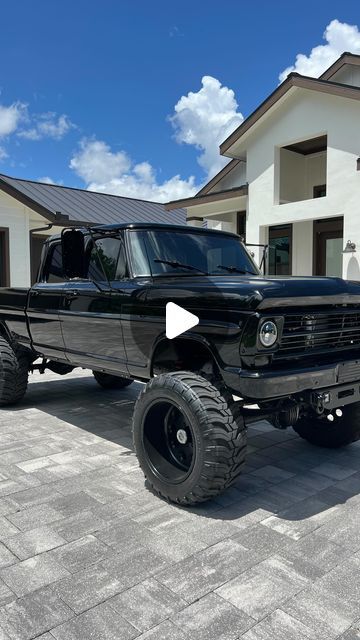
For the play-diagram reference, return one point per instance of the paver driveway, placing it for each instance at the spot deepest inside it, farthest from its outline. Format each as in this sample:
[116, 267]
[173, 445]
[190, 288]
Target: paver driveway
[88, 553]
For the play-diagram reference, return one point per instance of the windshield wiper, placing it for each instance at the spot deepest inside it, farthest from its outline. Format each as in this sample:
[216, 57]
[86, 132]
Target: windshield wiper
[176, 264]
[234, 269]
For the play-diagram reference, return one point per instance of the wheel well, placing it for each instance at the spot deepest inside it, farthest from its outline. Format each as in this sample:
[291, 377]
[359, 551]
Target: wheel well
[4, 331]
[183, 355]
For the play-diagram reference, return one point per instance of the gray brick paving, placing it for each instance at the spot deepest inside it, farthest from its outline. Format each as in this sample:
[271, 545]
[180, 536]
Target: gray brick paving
[86, 551]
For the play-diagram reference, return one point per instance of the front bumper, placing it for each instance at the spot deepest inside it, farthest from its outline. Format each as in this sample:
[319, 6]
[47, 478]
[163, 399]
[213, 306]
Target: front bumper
[264, 385]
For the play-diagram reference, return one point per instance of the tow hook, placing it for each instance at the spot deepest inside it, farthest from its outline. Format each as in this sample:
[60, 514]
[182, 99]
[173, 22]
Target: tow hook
[318, 401]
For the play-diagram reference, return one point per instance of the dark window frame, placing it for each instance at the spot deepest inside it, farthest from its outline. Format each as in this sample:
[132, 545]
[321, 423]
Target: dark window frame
[241, 224]
[5, 266]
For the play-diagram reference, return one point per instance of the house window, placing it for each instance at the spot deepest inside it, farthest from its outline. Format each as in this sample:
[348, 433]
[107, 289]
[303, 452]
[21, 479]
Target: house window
[302, 170]
[319, 191]
[280, 250]
[4, 258]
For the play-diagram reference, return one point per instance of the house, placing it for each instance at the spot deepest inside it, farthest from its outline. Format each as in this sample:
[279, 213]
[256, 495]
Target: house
[293, 181]
[31, 211]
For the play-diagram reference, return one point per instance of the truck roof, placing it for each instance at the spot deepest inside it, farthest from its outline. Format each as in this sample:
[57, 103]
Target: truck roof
[146, 225]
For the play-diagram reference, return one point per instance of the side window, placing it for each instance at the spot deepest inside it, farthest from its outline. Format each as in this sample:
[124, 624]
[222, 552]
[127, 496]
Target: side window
[107, 260]
[53, 271]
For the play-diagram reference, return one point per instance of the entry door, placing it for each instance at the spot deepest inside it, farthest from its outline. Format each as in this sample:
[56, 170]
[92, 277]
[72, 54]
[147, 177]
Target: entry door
[280, 250]
[328, 240]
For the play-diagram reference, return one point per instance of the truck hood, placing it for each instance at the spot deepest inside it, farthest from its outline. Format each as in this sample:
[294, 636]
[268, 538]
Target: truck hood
[253, 292]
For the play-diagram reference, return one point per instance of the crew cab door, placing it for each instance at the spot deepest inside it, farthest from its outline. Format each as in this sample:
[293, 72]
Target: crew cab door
[90, 310]
[43, 305]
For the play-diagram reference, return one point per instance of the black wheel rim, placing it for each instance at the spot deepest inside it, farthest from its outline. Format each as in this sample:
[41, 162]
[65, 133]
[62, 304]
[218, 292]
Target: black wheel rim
[168, 441]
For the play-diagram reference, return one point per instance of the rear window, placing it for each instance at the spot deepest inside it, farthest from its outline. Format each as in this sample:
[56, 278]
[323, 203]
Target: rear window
[53, 271]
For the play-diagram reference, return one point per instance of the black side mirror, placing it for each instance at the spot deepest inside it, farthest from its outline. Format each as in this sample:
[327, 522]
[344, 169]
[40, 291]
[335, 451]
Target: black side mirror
[73, 253]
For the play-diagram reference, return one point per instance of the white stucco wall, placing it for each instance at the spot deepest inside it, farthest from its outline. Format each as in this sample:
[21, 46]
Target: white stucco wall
[307, 114]
[223, 221]
[15, 217]
[19, 220]
[299, 174]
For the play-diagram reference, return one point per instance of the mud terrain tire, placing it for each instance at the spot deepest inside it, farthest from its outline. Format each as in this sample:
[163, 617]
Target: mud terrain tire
[188, 443]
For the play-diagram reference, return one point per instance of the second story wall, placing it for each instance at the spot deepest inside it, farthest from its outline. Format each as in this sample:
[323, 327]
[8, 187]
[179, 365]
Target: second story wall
[306, 114]
[235, 178]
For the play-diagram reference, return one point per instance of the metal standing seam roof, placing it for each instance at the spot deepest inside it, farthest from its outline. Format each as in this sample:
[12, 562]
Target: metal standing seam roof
[89, 206]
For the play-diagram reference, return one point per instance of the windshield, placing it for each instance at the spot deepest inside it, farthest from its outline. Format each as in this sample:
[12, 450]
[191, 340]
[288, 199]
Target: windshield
[165, 252]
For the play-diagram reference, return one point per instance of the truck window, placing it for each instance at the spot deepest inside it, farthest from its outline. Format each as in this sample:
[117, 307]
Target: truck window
[163, 252]
[107, 260]
[53, 270]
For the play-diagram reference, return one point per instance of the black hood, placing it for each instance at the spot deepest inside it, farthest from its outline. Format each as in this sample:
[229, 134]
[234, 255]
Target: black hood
[253, 292]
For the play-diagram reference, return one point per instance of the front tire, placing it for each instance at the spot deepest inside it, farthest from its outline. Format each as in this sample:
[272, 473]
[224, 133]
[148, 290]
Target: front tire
[14, 373]
[108, 381]
[188, 443]
[339, 433]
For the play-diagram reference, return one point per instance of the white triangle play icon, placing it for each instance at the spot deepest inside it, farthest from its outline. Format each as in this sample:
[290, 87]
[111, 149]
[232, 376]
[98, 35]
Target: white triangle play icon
[178, 320]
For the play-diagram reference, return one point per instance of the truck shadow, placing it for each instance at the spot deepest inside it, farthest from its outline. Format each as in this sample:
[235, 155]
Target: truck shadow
[283, 474]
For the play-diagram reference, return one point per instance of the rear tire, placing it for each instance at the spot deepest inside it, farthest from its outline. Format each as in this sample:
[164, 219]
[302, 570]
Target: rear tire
[14, 373]
[187, 441]
[339, 433]
[108, 381]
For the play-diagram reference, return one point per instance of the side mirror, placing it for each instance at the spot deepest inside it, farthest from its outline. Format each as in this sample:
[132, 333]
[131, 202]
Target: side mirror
[73, 253]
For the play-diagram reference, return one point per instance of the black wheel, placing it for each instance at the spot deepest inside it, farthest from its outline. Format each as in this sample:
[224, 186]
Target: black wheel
[188, 443]
[111, 382]
[323, 433]
[14, 373]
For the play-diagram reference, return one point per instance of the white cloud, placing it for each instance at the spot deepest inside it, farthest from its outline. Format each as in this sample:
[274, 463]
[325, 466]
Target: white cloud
[113, 172]
[48, 180]
[10, 117]
[47, 125]
[339, 37]
[204, 119]
[95, 162]
[3, 154]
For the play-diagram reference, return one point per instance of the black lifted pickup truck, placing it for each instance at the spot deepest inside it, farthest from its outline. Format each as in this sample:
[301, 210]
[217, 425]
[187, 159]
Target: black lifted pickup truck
[285, 349]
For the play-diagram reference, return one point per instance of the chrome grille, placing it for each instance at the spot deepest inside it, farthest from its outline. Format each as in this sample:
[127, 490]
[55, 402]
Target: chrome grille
[317, 331]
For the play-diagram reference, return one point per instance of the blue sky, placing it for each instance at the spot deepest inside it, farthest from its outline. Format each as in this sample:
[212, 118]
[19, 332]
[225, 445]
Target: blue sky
[88, 89]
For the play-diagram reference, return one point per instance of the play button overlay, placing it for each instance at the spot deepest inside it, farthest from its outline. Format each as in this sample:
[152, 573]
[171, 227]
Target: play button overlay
[178, 320]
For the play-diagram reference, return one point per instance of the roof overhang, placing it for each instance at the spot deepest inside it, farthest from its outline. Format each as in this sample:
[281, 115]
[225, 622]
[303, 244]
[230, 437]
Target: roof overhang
[209, 197]
[346, 58]
[293, 82]
[219, 176]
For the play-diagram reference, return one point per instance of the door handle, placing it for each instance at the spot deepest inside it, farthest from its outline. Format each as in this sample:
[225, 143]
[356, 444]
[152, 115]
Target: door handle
[70, 295]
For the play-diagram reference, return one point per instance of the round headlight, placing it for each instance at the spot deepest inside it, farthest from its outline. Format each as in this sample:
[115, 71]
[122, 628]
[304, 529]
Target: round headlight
[268, 333]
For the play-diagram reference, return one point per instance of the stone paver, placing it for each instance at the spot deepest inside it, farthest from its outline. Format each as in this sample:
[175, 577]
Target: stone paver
[86, 551]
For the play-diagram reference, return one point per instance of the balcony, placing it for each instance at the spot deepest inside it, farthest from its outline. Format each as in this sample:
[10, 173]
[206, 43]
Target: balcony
[302, 170]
